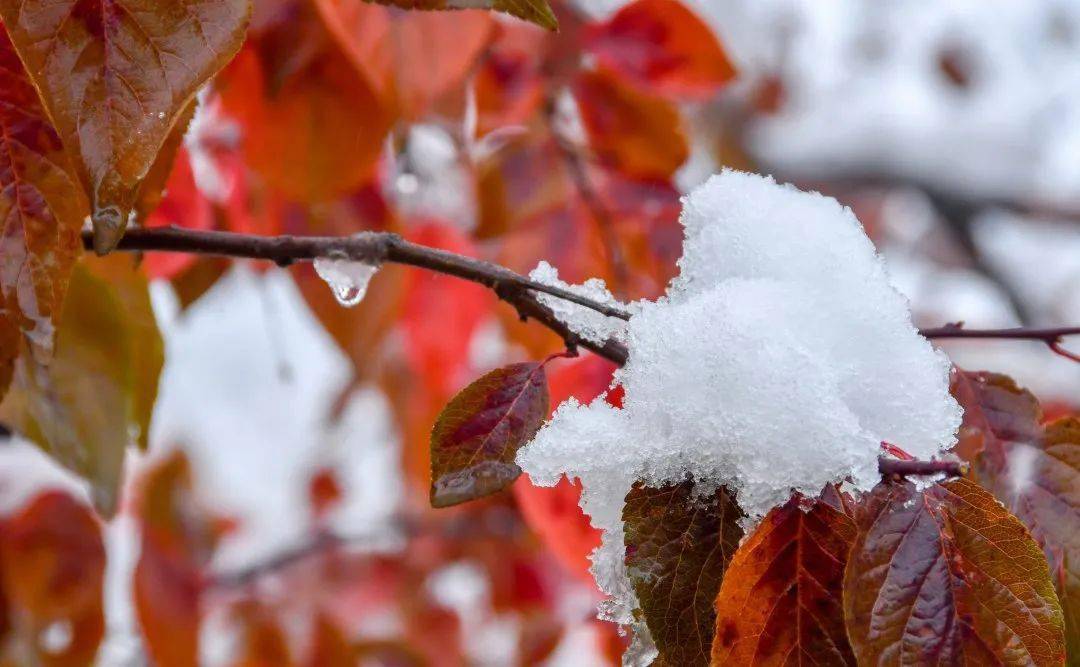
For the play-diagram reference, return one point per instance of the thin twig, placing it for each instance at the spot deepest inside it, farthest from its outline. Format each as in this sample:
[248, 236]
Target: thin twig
[900, 467]
[377, 248]
[514, 288]
[1051, 337]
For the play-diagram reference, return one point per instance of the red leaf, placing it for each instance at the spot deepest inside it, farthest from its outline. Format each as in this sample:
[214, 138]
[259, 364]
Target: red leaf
[677, 549]
[313, 126]
[116, 78]
[477, 436]
[630, 131]
[1034, 470]
[662, 46]
[53, 572]
[441, 314]
[181, 206]
[781, 599]
[411, 58]
[508, 85]
[42, 209]
[168, 581]
[948, 576]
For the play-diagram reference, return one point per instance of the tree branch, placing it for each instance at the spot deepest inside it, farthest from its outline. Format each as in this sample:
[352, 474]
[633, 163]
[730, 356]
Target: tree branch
[900, 467]
[378, 248]
[1052, 337]
[511, 287]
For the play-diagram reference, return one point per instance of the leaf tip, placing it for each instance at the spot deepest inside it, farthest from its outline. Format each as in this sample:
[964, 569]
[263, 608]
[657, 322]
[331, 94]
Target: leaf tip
[109, 224]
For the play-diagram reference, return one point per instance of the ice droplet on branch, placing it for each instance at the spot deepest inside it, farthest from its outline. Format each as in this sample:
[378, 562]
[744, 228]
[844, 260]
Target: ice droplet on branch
[348, 278]
[779, 359]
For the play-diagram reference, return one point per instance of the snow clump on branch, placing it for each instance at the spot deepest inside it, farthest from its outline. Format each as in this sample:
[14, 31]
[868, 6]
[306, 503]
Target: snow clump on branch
[779, 360]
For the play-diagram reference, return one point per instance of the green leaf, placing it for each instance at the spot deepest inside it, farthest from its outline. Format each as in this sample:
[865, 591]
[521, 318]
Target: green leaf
[948, 576]
[677, 548]
[96, 396]
[477, 436]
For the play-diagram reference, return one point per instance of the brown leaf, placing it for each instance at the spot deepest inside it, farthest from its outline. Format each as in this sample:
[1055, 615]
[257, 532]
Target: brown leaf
[115, 77]
[100, 388]
[630, 131]
[678, 546]
[781, 600]
[479, 432]
[53, 572]
[1034, 470]
[42, 209]
[533, 11]
[948, 576]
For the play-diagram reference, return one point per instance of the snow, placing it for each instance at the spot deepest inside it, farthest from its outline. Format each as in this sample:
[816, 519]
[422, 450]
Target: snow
[585, 322]
[779, 360]
[348, 279]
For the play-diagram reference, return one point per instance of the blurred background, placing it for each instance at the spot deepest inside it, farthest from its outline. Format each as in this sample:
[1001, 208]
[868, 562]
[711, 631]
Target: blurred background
[952, 128]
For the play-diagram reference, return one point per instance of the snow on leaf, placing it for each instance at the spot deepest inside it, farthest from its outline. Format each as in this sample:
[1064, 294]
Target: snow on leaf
[1034, 470]
[678, 546]
[477, 436]
[948, 576]
[780, 358]
[782, 592]
[115, 76]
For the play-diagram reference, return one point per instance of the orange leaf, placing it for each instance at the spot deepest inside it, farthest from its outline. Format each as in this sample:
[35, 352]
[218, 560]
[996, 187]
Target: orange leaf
[508, 84]
[663, 47]
[42, 210]
[631, 131]
[534, 11]
[313, 127]
[948, 576]
[781, 598]
[168, 581]
[411, 58]
[115, 77]
[53, 571]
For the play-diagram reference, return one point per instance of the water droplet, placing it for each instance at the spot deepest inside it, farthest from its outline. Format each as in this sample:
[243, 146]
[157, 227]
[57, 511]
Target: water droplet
[348, 279]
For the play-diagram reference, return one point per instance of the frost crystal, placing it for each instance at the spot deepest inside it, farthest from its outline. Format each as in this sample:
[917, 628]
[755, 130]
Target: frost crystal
[585, 322]
[348, 279]
[779, 360]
